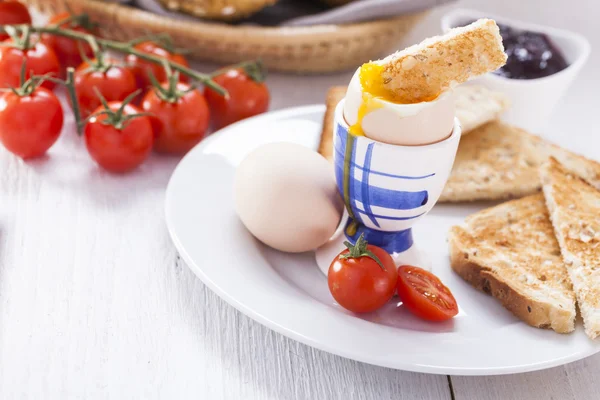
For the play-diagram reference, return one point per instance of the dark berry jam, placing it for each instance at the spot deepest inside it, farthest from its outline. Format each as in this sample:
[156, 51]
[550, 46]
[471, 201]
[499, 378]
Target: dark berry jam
[531, 55]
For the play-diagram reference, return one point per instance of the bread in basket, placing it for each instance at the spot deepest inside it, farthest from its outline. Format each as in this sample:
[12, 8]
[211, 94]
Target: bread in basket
[299, 49]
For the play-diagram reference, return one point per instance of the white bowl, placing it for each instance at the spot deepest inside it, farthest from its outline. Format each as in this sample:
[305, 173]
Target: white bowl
[532, 100]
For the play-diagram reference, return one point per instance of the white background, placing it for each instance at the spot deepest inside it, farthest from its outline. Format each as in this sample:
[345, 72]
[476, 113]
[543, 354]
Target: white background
[95, 302]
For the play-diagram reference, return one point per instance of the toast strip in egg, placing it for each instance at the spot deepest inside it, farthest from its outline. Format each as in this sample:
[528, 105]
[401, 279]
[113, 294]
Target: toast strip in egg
[423, 71]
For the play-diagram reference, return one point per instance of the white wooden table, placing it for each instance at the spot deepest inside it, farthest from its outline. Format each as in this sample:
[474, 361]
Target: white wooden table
[95, 302]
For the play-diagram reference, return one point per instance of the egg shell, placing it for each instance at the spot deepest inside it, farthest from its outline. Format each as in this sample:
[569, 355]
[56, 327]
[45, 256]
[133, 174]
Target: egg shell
[401, 124]
[286, 196]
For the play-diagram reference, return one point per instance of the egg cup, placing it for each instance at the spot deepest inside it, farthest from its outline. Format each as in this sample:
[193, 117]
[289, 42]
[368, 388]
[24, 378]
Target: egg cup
[386, 189]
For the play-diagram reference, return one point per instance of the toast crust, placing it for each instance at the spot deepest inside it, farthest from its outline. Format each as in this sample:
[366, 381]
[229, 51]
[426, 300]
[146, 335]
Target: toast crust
[574, 207]
[424, 71]
[535, 313]
[510, 252]
[335, 94]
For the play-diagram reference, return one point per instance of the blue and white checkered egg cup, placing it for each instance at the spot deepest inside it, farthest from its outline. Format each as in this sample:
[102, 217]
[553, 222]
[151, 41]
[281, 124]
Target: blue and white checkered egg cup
[386, 189]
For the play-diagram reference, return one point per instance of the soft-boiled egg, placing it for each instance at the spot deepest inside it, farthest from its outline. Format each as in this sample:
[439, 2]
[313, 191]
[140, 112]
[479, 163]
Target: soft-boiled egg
[372, 112]
[286, 196]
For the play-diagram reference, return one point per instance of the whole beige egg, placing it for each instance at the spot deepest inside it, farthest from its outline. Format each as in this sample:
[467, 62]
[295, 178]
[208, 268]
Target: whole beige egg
[286, 196]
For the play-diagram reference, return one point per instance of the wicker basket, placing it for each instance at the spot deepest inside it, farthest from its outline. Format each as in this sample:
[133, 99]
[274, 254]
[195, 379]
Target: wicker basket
[323, 48]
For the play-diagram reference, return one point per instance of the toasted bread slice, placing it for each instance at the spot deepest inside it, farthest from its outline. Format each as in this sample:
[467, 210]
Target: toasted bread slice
[510, 252]
[498, 161]
[574, 207]
[334, 95]
[423, 71]
[477, 105]
[225, 10]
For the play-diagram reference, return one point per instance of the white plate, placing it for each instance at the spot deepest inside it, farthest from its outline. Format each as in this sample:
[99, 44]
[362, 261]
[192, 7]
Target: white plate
[289, 294]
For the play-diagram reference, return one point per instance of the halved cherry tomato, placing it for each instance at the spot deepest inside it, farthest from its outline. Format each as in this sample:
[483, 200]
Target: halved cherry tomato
[362, 278]
[39, 60]
[30, 124]
[423, 294]
[142, 68]
[119, 149]
[246, 98]
[115, 84]
[13, 13]
[67, 50]
[178, 125]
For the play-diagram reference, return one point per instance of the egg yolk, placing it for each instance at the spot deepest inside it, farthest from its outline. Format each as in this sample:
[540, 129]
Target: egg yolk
[371, 81]
[374, 91]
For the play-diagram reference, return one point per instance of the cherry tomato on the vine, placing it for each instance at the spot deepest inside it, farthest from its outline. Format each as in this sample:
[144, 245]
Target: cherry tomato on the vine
[423, 294]
[39, 60]
[67, 50]
[13, 13]
[178, 124]
[119, 147]
[114, 84]
[246, 98]
[362, 278]
[142, 68]
[30, 124]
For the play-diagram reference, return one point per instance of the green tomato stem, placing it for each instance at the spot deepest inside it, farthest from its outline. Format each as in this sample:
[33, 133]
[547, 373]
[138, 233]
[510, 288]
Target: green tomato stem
[125, 48]
[70, 85]
[360, 249]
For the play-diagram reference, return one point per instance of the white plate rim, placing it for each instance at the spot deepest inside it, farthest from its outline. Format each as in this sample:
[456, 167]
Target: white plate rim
[313, 342]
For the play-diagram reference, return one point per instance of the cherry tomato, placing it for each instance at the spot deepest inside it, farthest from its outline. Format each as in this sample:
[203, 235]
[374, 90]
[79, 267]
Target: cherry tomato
[39, 60]
[358, 282]
[30, 124]
[178, 126]
[142, 68]
[67, 50]
[119, 149]
[423, 294]
[115, 85]
[246, 98]
[13, 13]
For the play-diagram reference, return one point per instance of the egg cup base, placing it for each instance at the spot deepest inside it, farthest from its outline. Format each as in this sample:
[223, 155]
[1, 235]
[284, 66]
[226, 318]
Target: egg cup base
[325, 254]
